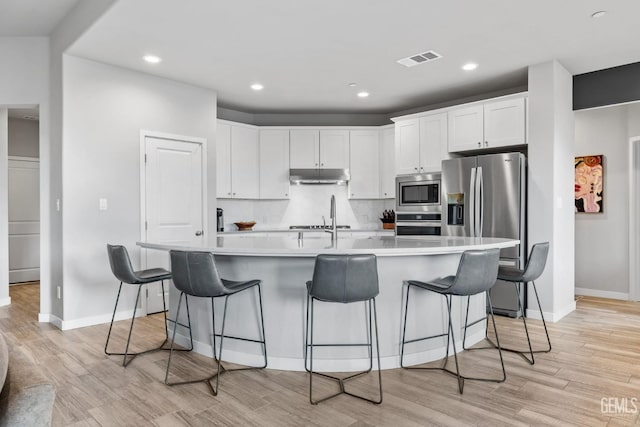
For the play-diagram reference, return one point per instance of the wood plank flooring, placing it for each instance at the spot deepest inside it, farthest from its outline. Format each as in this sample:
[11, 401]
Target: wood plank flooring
[596, 355]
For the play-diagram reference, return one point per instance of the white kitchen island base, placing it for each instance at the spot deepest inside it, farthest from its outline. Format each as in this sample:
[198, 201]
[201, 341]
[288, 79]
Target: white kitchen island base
[285, 265]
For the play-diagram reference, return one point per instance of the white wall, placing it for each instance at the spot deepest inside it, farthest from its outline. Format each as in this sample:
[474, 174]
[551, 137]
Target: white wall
[24, 81]
[602, 240]
[306, 205]
[4, 210]
[24, 136]
[105, 107]
[550, 202]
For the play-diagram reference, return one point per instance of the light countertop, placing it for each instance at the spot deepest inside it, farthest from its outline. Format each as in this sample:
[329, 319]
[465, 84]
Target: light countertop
[310, 246]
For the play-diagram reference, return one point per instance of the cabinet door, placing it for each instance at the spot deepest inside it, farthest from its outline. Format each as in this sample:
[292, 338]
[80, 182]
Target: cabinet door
[245, 163]
[334, 149]
[387, 164]
[223, 161]
[364, 164]
[407, 146]
[274, 164]
[433, 140]
[304, 149]
[504, 123]
[466, 128]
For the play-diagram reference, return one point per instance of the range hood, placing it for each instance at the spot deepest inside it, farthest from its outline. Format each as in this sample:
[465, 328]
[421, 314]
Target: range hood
[319, 176]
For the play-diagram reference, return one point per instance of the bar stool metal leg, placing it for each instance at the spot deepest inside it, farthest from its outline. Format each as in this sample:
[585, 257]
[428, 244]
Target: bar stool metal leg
[341, 381]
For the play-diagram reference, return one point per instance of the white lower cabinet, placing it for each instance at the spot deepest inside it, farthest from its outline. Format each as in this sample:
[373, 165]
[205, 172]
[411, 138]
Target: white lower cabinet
[364, 165]
[274, 164]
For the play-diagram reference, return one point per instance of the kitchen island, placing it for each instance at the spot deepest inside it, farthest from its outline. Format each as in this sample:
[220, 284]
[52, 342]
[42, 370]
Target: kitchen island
[285, 264]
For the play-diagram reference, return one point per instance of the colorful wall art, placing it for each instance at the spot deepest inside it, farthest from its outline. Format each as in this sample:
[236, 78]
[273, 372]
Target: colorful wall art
[588, 185]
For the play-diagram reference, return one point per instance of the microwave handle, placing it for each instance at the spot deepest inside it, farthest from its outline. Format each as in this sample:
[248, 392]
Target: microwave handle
[472, 204]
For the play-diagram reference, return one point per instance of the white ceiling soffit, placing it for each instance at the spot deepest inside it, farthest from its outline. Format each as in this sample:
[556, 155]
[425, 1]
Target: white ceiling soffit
[305, 53]
[24, 113]
[32, 18]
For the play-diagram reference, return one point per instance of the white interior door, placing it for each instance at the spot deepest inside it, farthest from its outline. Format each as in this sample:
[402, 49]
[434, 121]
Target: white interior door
[173, 178]
[24, 219]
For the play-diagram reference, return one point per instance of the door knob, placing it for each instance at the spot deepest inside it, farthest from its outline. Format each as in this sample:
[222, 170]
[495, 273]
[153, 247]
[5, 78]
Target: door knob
[199, 233]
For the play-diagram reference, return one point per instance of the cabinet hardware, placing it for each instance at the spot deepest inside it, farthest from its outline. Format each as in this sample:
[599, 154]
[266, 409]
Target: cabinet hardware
[234, 194]
[199, 233]
[479, 144]
[486, 143]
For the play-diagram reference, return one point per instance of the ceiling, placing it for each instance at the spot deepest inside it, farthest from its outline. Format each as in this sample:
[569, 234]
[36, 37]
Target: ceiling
[305, 53]
[32, 18]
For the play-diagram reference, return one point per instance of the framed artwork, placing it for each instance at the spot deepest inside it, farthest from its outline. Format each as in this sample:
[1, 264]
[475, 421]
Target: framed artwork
[589, 172]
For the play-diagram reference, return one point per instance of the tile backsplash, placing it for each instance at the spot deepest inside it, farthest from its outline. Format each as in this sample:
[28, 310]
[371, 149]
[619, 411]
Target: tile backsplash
[306, 205]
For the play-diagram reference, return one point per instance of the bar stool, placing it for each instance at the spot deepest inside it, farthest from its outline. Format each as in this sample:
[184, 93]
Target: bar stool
[195, 274]
[121, 267]
[477, 272]
[343, 279]
[533, 269]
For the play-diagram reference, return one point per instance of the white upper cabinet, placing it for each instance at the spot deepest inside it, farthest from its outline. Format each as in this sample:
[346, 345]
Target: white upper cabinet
[466, 128]
[223, 161]
[237, 162]
[420, 144]
[491, 124]
[304, 149]
[334, 149]
[324, 149]
[274, 164]
[407, 146]
[245, 163]
[433, 142]
[364, 164]
[387, 164]
[504, 123]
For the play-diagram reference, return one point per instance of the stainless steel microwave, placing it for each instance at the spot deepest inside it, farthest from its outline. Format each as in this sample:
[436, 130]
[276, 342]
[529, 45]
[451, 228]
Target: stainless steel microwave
[418, 193]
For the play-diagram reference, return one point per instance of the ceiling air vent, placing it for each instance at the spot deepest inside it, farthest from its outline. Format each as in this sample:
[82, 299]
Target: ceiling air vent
[419, 58]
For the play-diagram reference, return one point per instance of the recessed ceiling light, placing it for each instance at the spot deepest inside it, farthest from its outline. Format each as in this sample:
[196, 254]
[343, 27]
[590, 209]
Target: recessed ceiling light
[152, 59]
[363, 94]
[257, 86]
[599, 14]
[470, 66]
[352, 85]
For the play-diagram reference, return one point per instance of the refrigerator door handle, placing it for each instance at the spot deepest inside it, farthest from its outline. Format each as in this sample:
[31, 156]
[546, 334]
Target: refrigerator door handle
[479, 201]
[472, 204]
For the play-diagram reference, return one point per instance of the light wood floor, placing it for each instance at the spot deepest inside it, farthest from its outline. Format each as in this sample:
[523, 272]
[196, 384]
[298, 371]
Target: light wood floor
[596, 355]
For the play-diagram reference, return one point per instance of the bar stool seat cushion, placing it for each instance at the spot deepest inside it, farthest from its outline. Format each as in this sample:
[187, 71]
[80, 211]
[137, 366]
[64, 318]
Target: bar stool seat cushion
[440, 285]
[152, 275]
[237, 286]
[510, 274]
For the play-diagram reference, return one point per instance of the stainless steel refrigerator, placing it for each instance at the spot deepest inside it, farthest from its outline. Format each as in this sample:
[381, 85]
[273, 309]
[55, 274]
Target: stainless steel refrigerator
[485, 196]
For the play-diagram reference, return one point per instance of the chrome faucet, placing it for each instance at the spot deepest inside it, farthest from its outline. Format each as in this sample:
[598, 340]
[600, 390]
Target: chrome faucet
[332, 214]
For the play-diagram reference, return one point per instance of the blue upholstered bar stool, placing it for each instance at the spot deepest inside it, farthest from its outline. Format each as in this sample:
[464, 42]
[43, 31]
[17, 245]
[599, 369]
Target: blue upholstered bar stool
[477, 273]
[343, 279]
[121, 267]
[195, 274]
[534, 269]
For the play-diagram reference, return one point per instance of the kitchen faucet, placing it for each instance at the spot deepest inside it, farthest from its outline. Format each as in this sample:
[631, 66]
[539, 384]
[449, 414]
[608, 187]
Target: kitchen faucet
[332, 214]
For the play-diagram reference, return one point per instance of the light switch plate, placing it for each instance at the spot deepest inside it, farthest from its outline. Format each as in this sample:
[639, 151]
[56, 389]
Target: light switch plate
[103, 204]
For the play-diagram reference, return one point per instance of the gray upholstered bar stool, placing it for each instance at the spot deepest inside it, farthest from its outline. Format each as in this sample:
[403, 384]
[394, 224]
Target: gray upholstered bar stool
[534, 269]
[477, 272]
[195, 274]
[121, 267]
[343, 279]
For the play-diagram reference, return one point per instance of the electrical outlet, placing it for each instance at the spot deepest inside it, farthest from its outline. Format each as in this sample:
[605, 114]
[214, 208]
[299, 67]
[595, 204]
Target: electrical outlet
[103, 204]
[59, 289]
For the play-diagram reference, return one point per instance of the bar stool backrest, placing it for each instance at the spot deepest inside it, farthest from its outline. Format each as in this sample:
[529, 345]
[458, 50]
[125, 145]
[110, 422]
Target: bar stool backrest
[477, 272]
[121, 264]
[345, 278]
[536, 262]
[195, 273]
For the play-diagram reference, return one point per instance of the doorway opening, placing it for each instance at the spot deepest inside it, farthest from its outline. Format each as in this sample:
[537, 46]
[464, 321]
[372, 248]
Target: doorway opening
[23, 238]
[634, 214]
